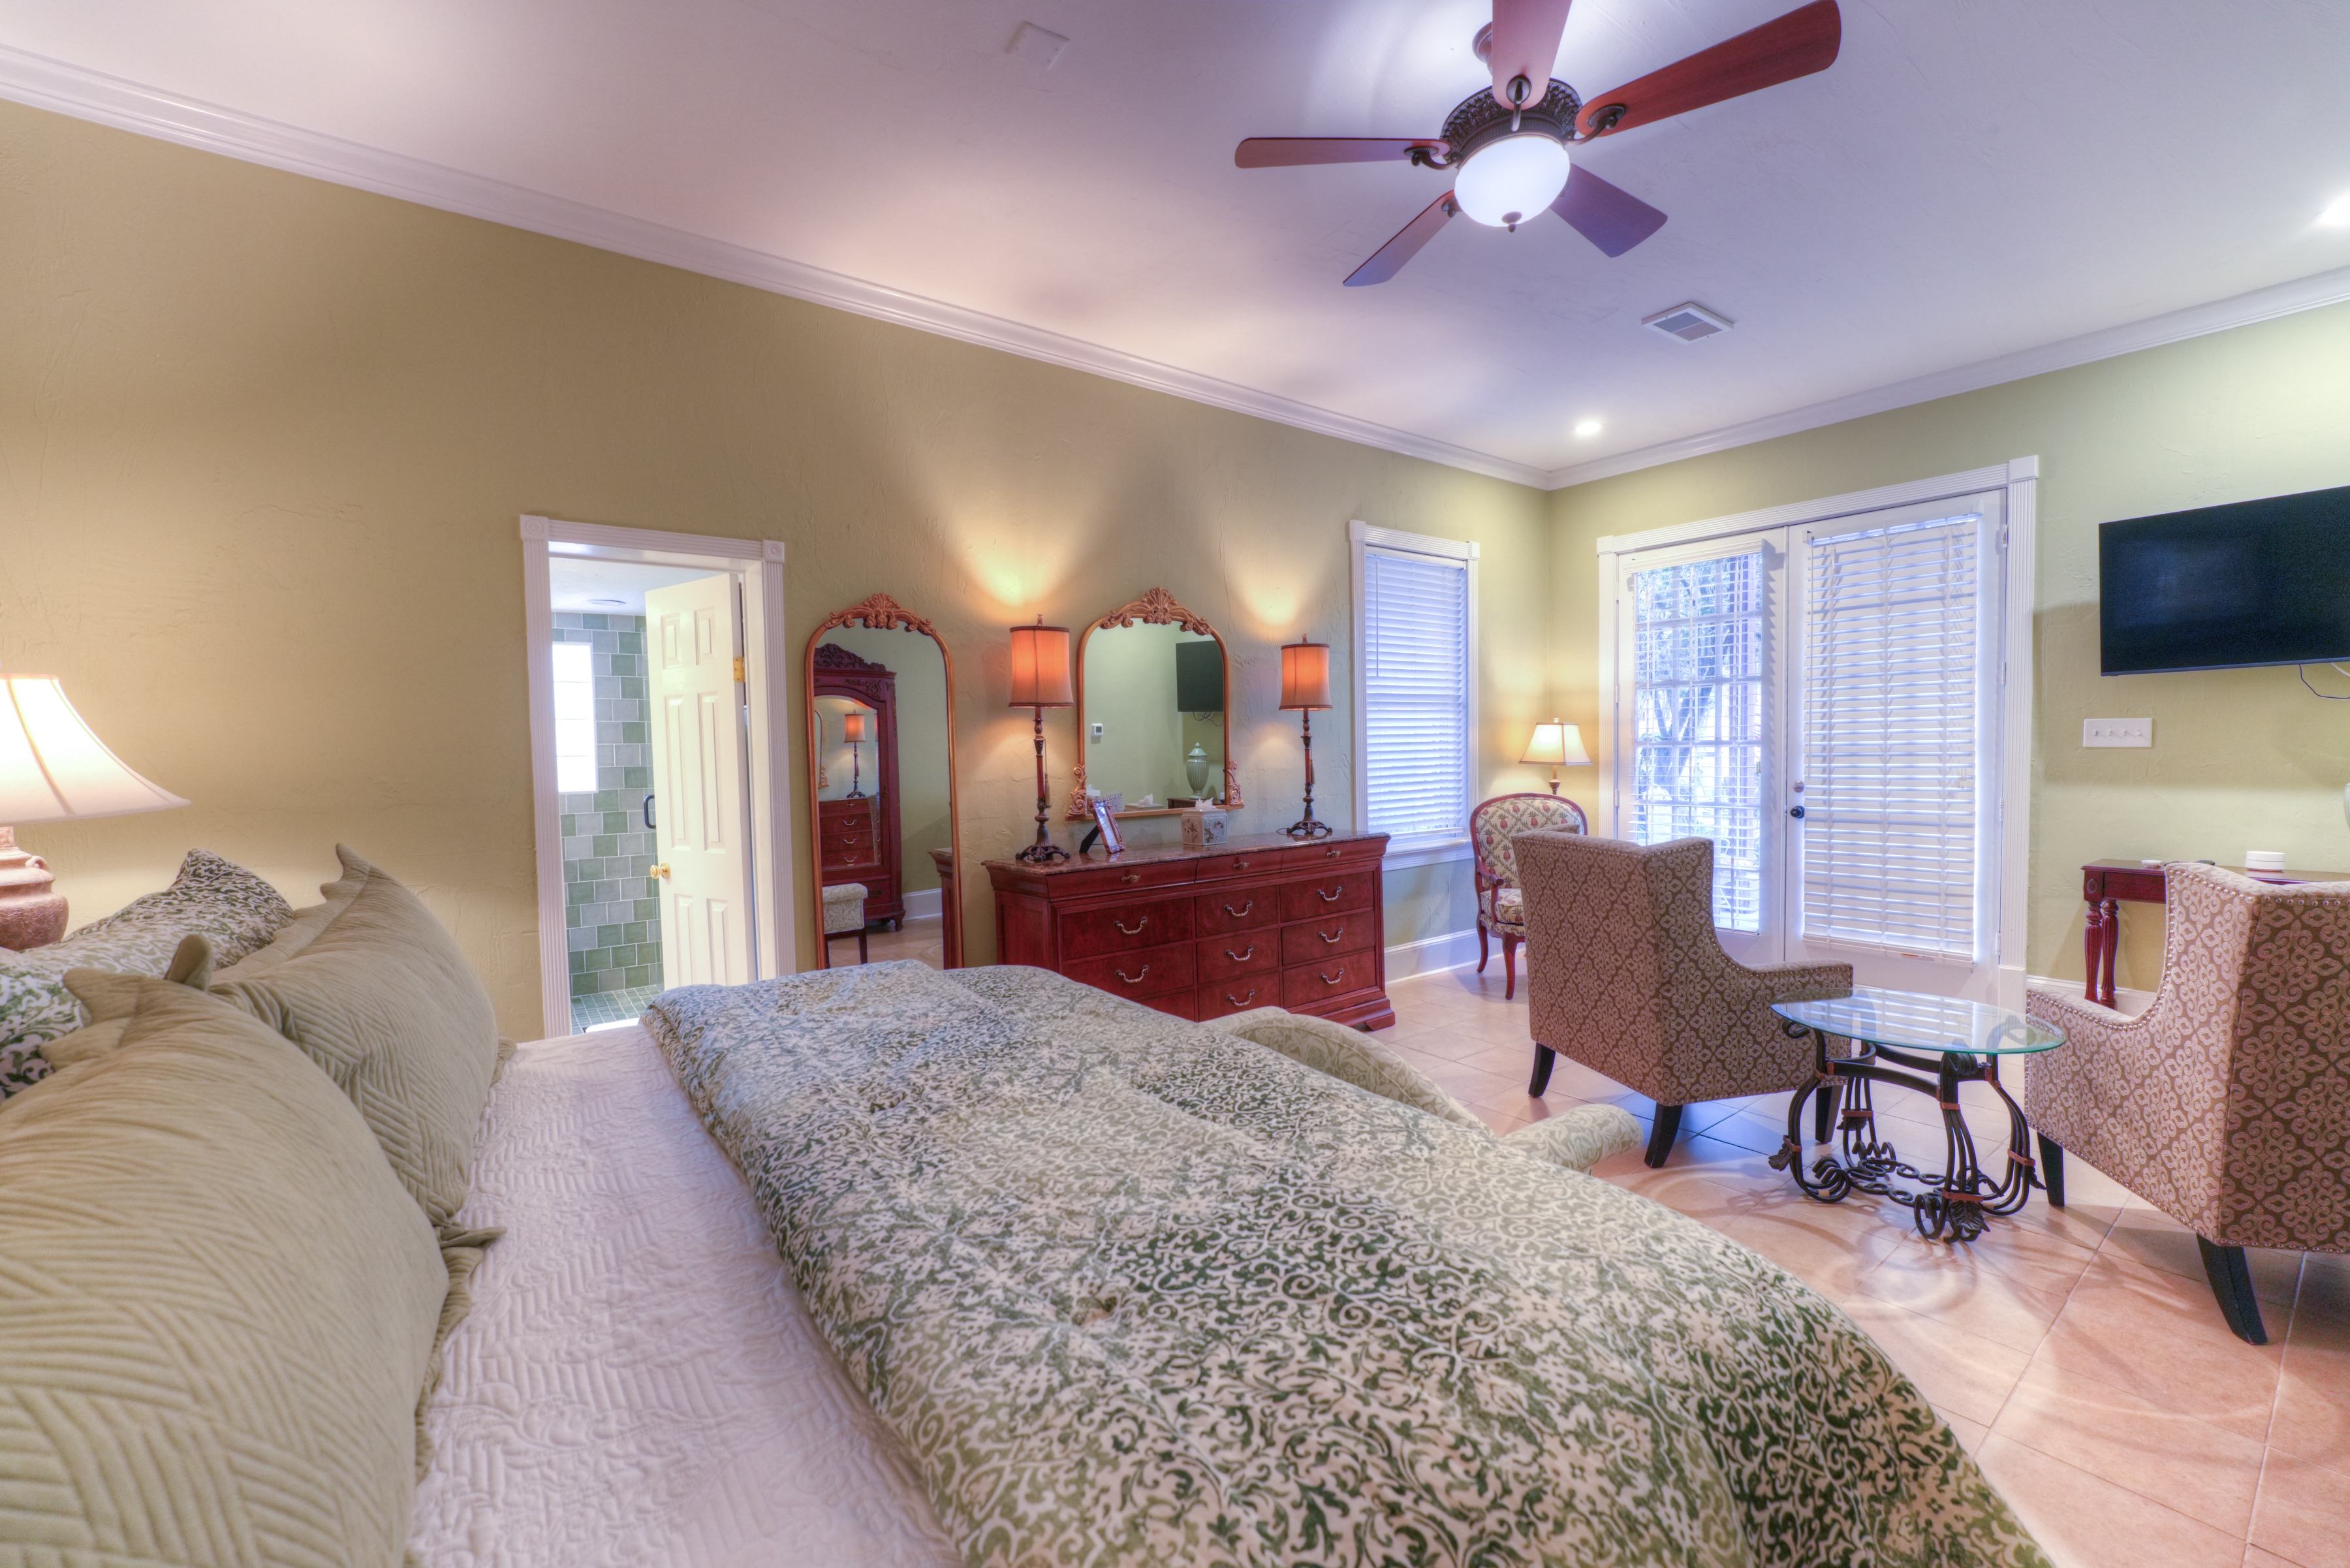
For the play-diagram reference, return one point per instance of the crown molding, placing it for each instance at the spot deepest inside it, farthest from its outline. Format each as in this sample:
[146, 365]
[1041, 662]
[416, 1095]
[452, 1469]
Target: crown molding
[41, 83]
[2312, 293]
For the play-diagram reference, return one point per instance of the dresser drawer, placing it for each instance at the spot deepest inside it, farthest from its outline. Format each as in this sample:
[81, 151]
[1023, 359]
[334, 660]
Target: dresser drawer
[1311, 941]
[854, 858]
[1240, 952]
[1238, 995]
[1138, 925]
[1152, 973]
[1331, 894]
[1237, 909]
[1115, 879]
[1309, 985]
[1181, 1003]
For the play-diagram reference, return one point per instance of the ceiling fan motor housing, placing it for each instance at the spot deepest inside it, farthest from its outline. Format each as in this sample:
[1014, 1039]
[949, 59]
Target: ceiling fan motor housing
[1479, 121]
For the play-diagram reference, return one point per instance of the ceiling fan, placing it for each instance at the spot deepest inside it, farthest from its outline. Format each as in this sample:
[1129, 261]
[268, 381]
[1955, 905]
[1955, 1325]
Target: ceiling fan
[1509, 145]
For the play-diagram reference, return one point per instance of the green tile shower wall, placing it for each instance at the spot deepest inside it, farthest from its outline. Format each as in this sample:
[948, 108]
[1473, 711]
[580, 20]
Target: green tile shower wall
[612, 904]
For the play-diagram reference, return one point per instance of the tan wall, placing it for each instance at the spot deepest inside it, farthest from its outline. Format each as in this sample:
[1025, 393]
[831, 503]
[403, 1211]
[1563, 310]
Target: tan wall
[264, 442]
[2243, 758]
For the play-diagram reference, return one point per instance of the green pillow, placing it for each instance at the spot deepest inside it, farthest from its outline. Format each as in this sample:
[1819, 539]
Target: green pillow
[236, 910]
[220, 1307]
[377, 994]
[1349, 1054]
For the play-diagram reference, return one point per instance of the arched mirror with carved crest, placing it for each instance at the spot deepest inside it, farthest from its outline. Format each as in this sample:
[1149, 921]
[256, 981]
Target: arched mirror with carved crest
[1153, 687]
[879, 701]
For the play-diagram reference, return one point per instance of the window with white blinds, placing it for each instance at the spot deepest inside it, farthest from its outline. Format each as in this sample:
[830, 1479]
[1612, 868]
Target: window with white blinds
[1415, 692]
[1891, 728]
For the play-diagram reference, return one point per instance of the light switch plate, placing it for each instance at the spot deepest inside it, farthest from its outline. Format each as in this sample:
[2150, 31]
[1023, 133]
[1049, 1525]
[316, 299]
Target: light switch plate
[2116, 732]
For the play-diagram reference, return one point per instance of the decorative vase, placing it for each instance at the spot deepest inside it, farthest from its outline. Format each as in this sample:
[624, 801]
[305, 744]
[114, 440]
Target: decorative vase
[1195, 768]
[32, 912]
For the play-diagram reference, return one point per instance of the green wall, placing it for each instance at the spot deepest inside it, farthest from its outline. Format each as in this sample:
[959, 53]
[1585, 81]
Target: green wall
[2243, 758]
[264, 442]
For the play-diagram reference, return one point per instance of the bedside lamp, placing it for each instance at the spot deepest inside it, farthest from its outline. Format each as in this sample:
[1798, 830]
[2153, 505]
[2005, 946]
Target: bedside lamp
[1305, 686]
[52, 769]
[853, 726]
[1040, 680]
[1560, 745]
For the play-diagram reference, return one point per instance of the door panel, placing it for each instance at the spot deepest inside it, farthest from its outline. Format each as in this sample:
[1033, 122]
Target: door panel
[698, 759]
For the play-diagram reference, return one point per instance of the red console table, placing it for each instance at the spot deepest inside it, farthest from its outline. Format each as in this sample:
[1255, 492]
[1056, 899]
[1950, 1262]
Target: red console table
[2106, 885]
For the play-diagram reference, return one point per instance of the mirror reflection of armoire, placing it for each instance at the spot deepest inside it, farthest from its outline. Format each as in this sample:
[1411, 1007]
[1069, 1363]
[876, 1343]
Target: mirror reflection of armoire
[856, 840]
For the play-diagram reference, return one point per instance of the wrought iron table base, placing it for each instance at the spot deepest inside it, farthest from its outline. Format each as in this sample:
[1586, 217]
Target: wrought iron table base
[1955, 1201]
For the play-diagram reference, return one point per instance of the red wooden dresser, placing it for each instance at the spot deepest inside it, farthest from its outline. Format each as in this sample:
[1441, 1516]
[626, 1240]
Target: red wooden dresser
[1255, 922]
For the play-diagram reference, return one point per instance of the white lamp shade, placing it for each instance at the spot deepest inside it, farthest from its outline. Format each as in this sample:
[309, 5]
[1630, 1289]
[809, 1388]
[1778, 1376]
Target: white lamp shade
[52, 767]
[1561, 745]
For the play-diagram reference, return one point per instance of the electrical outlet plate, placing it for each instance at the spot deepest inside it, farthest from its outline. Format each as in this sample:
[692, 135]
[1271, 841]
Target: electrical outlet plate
[2116, 732]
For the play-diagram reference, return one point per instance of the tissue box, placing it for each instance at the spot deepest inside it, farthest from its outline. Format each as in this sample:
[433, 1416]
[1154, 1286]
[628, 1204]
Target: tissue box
[1203, 828]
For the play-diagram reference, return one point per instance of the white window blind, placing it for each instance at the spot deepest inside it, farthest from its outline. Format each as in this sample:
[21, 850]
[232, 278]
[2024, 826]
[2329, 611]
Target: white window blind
[1891, 731]
[1415, 692]
[1697, 695]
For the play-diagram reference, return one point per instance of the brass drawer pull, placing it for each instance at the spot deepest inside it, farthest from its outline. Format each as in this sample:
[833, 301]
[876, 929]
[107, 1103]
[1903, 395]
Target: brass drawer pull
[1241, 913]
[1334, 937]
[1333, 895]
[1242, 865]
[1139, 978]
[1131, 877]
[1242, 957]
[1335, 979]
[1330, 855]
[1240, 1001]
[1133, 930]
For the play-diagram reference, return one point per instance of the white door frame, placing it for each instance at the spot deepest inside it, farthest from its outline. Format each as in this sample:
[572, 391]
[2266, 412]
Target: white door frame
[766, 664]
[2020, 478]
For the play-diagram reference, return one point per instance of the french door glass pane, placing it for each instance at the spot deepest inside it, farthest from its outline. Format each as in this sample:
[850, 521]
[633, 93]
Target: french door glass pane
[1697, 693]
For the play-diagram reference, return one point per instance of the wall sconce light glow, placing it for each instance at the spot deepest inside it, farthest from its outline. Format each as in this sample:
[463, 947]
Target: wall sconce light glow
[2336, 214]
[1587, 428]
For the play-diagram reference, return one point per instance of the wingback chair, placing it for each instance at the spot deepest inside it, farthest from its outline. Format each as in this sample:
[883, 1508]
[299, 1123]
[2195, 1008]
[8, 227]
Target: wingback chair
[1635, 984]
[1500, 910]
[2226, 1104]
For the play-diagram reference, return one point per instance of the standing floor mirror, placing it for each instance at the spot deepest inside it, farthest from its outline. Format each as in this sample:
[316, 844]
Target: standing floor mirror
[879, 699]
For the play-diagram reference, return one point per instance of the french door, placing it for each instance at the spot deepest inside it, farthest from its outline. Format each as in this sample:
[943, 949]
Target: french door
[1823, 702]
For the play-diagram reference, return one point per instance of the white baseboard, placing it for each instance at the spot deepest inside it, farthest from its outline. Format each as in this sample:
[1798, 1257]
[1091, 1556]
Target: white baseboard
[2125, 1000]
[1454, 950]
[922, 906]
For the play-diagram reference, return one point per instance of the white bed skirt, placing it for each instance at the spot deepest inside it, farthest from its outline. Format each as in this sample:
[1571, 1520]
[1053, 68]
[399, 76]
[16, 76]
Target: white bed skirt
[638, 1384]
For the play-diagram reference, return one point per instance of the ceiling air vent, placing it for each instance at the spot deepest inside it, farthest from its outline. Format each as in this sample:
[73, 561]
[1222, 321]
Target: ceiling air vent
[1688, 322]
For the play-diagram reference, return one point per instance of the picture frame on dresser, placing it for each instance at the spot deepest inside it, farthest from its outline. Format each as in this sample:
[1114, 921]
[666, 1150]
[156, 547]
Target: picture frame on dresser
[1199, 933]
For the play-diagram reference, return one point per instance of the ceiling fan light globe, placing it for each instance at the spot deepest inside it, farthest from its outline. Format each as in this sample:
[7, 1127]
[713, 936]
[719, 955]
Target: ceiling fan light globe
[1507, 179]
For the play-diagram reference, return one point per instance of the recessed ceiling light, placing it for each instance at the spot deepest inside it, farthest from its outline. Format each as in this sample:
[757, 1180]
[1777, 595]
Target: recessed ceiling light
[2336, 214]
[1588, 427]
[621, 604]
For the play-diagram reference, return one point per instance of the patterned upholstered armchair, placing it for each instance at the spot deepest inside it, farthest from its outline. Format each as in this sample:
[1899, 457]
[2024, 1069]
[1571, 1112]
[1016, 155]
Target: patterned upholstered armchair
[1500, 910]
[2226, 1104]
[1643, 993]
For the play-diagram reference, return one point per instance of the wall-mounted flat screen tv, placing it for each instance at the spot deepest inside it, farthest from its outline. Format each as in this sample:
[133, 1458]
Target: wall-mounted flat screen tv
[2258, 582]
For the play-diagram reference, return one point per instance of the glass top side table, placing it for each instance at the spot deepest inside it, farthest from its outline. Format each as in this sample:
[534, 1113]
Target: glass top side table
[1955, 1041]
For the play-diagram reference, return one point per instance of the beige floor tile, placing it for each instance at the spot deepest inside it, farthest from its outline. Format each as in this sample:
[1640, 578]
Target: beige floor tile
[1444, 1040]
[2311, 1420]
[2304, 1514]
[1576, 1079]
[2083, 1520]
[2254, 1557]
[1517, 1061]
[1825, 1246]
[2184, 1464]
[2154, 1239]
[1955, 1284]
[1960, 1372]
[2159, 1337]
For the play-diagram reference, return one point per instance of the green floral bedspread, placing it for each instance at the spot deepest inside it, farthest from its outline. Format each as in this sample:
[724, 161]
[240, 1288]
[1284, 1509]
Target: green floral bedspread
[1137, 1292]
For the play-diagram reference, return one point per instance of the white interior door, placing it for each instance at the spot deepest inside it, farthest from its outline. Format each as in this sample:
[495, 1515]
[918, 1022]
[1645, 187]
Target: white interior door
[1823, 702]
[694, 642]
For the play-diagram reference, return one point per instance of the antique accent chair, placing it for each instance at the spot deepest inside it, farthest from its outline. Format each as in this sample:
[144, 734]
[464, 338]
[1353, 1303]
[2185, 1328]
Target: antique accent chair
[1500, 910]
[2226, 1104]
[1637, 986]
[843, 911]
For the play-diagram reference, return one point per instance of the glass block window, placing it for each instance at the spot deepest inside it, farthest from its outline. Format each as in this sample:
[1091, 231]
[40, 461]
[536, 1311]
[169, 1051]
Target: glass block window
[1696, 694]
[575, 718]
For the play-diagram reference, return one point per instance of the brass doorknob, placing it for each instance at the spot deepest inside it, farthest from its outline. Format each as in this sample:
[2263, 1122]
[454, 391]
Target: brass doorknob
[660, 870]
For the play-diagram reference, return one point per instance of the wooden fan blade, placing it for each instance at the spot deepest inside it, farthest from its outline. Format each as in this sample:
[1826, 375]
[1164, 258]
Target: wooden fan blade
[1280, 151]
[1613, 219]
[1525, 44]
[1796, 45]
[1389, 259]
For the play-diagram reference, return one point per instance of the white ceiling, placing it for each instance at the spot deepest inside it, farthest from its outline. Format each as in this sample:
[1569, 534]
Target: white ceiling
[598, 587]
[1968, 182]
